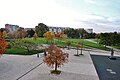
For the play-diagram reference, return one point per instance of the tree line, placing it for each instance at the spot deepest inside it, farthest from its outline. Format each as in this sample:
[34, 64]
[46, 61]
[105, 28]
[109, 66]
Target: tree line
[41, 28]
[109, 39]
[78, 33]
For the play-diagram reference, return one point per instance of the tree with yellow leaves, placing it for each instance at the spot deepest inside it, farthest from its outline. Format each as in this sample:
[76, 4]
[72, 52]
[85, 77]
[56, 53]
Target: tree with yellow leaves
[35, 36]
[50, 36]
[55, 58]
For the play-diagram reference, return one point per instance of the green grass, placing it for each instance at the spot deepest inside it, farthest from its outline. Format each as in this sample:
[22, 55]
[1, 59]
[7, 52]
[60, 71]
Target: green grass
[86, 44]
[16, 51]
[118, 47]
[21, 51]
[96, 40]
[37, 41]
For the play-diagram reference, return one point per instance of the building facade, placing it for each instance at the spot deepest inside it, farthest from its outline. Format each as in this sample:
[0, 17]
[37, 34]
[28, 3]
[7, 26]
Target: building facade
[26, 29]
[56, 29]
[11, 28]
[89, 30]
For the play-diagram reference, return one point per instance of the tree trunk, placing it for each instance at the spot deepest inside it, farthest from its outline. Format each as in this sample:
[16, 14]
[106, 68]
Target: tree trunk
[81, 51]
[56, 65]
[68, 47]
[77, 51]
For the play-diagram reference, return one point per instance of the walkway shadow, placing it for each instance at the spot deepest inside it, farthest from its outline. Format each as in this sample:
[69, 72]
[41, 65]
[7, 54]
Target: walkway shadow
[107, 69]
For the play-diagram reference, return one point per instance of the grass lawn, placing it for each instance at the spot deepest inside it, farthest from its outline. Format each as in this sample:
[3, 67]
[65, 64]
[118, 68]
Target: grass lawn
[86, 44]
[118, 47]
[21, 51]
[96, 40]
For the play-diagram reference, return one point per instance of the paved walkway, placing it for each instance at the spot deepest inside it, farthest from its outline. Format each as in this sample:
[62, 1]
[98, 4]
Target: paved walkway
[78, 68]
[13, 66]
[115, 49]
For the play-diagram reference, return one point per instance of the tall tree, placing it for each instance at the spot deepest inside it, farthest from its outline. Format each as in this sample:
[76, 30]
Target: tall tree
[75, 33]
[105, 39]
[82, 33]
[30, 33]
[40, 29]
[70, 32]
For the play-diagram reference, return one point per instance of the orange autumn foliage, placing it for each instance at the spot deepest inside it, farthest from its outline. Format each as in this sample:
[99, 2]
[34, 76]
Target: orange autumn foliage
[61, 35]
[3, 42]
[55, 57]
[68, 43]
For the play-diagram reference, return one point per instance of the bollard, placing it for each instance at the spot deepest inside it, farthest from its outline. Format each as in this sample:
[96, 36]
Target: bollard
[37, 55]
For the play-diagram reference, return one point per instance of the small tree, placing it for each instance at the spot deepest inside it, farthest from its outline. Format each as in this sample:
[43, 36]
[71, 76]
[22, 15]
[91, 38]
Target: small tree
[55, 58]
[68, 44]
[77, 48]
[81, 46]
[60, 35]
[35, 36]
[50, 36]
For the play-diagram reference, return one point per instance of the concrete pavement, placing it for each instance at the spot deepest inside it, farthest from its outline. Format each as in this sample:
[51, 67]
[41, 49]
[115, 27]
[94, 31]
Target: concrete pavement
[78, 68]
[12, 67]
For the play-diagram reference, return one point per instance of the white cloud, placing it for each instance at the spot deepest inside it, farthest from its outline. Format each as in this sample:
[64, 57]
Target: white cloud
[91, 1]
[28, 13]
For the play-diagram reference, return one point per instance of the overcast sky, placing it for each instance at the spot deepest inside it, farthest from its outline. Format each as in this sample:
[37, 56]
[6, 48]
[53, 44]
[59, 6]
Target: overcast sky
[101, 15]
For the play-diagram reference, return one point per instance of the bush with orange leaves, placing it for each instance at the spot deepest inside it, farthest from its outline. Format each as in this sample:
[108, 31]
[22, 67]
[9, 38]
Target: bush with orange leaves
[55, 57]
[3, 42]
[60, 35]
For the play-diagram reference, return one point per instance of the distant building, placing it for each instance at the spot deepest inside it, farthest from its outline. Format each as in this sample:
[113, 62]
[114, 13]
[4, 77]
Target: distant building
[89, 30]
[56, 29]
[29, 29]
[11, 27]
